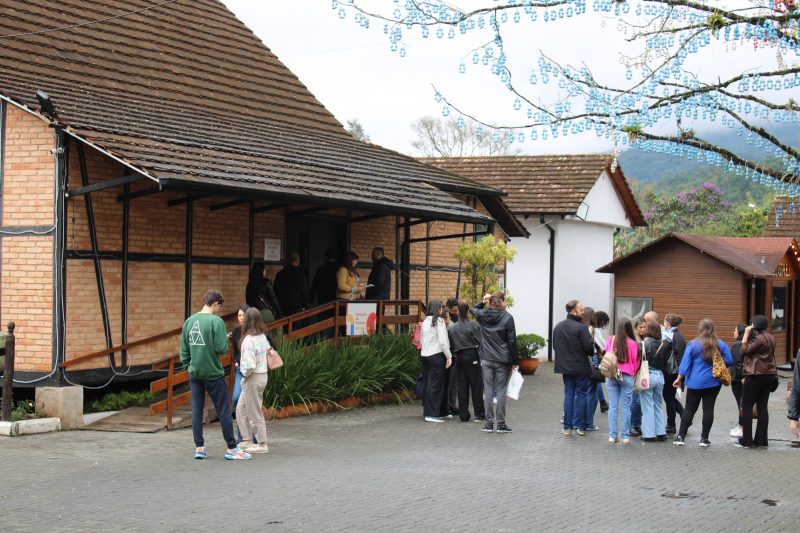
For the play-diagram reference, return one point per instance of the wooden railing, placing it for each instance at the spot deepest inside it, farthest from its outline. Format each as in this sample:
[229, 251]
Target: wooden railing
[328, 320]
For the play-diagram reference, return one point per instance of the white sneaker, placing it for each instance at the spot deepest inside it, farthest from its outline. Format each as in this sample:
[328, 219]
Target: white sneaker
[244, 445]
[736, 432]
[258, 448]
[433, 419]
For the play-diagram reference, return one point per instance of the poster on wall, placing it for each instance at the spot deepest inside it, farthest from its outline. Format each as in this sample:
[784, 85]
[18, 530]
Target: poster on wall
[631, 308]
[272, 249]
[361, 318]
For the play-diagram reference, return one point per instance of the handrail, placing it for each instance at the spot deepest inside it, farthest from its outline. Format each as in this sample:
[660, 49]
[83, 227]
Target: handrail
[128, 345]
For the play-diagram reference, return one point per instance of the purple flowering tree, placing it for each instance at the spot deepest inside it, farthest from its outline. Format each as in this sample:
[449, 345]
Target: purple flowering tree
[699, 210]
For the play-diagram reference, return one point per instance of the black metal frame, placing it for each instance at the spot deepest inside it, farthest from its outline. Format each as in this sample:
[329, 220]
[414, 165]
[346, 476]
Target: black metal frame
[86, 189]
[59, 249]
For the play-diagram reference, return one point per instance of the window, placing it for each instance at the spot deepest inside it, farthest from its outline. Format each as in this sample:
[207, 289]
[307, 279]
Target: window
[631, 308]
[778, 308]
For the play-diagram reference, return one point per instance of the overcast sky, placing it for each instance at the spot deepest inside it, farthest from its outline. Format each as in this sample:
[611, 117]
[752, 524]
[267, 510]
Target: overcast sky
[355, 75]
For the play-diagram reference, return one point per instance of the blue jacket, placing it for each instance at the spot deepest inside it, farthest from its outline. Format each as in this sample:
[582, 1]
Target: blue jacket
[696, 372]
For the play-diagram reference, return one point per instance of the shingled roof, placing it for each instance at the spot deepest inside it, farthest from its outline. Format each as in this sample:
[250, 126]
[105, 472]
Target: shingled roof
[184, 93]
[754, 256]
[549, 184]
[788, 223]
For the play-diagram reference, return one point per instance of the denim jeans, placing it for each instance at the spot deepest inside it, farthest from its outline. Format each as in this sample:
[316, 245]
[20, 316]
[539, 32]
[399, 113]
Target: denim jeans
[495, 374]
[652, 413]
[620, 393]
[595, 395]
[576, 389]
[218, 391]
[636, 410]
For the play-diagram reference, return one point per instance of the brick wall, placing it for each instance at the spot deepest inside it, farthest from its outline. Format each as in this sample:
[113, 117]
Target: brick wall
[26, 293]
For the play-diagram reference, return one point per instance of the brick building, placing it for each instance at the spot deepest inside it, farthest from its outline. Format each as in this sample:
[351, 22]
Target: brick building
[151, 155]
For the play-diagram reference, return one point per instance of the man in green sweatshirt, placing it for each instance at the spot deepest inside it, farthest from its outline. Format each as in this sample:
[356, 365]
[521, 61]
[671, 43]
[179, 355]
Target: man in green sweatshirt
[203, 340]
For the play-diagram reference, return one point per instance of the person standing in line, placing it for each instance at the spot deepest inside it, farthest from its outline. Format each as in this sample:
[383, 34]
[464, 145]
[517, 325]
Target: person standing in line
[573, 346]
[249, 416]
[499, 357]
[794, 403]
[451, 306]
[675, 349]
[236, 339]
[380, 277]
[465, 339]
[203, 340]
[602, 320]
[260, 293]
[701, 385]
[640, 326]
[291, 286]
[436, 358]
[323, 288]
[736, 375]
[620, 392]
[760, 376]
[595, 388]
[654, 350]
[347, 279]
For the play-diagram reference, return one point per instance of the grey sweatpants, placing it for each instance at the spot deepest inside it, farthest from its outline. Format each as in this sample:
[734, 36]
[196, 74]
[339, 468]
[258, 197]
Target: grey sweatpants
[249, 416]
[495, 378]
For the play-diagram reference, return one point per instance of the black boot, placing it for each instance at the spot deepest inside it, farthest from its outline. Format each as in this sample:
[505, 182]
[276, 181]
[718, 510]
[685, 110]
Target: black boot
[603, 406]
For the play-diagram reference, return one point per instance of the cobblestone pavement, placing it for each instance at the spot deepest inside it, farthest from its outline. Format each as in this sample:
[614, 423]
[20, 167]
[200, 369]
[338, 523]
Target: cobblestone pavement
[384, 469]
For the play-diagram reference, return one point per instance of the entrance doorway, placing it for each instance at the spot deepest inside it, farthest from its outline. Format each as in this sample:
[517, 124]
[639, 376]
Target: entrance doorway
[310, 236]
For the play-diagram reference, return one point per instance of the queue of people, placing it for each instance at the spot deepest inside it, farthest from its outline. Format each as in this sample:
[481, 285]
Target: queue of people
[645, 403]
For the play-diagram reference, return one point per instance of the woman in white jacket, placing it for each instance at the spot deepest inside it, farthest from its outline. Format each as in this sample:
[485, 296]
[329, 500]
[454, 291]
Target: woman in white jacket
[436, 357]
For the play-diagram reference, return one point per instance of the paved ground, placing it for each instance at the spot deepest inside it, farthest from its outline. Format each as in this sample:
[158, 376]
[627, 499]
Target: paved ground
[383, 469]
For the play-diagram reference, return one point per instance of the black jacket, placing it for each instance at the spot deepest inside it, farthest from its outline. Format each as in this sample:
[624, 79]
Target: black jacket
[573, 346]
[291, 288]
[498, 335]
[261, 295]
[656, 352]
[323, 288]
[464, 335]
[381, 277]
[794, 399]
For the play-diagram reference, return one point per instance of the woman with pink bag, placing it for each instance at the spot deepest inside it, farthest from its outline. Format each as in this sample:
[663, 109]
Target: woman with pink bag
[620, 392]
[254, 367]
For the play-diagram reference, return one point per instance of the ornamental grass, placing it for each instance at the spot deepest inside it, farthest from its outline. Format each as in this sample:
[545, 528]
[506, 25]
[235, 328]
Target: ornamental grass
[329, 372]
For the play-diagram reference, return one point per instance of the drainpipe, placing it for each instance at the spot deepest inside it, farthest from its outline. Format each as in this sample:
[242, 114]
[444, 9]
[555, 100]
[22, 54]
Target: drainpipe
[551, 295]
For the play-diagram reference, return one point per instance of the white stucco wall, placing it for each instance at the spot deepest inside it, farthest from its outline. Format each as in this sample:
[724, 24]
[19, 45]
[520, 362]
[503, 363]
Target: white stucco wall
[582, 246]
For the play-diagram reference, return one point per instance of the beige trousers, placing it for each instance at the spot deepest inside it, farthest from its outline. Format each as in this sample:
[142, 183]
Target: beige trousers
[249, 416]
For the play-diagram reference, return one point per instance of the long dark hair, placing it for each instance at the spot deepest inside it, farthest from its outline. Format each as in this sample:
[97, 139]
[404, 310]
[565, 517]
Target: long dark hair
[434, 310]
[740, 331]
[621, 335]
[253, 324]
[463, 311]
[707, 335]
[349, 257]
[257, 273]
[589, 318]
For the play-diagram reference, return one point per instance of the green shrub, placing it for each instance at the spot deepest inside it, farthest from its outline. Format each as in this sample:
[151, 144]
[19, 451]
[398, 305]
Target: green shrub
[21, 410]
[329, 372]
[116, 401]
[529, 344]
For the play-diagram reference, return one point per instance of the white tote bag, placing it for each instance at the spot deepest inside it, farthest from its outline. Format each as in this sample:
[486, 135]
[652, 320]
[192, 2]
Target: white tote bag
[514, 385]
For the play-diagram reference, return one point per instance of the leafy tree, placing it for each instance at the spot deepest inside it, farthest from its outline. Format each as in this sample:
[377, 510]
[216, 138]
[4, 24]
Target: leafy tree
[674, 82]
[356, 129]
[480, 260]
[452, 137]
[699, 210]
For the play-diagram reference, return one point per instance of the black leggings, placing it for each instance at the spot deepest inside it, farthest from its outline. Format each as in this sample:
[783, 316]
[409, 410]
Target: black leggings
[736, 388]
[755, 391]
[470, 379]
[693, 398]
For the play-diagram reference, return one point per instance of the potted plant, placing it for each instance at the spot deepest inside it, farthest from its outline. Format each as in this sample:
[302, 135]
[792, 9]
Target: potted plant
[528, 345]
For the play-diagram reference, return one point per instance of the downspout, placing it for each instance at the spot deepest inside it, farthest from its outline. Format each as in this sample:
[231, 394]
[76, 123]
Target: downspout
[59, 250]
[551, 295]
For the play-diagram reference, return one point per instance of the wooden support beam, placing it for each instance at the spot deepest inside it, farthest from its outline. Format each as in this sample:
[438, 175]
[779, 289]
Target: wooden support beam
[77, 191]
[184, 200]
[270, 207]
[138, 194]
[224, 205]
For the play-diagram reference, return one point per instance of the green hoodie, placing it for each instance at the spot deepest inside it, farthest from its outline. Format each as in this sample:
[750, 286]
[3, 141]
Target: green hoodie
[202, 341]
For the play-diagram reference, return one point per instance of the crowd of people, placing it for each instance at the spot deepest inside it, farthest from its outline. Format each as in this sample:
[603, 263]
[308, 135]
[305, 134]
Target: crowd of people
[485, 351]
[644, 399]
[465, 360]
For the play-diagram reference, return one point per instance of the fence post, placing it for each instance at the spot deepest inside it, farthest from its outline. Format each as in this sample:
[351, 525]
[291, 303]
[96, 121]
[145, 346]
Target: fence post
[169, 392]
[8, 376]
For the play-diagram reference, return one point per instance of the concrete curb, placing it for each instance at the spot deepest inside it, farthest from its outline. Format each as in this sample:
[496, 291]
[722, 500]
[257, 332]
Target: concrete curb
[30, 427]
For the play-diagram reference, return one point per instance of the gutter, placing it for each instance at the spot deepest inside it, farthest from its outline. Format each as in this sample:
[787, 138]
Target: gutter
[551, 293]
